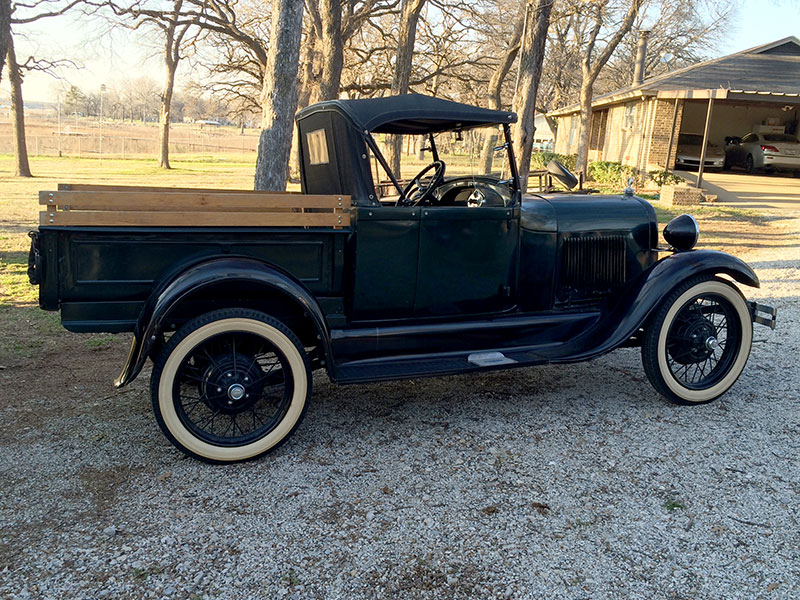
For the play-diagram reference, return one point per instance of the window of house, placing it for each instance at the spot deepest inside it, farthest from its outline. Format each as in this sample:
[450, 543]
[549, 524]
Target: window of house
[317, 143]
[573, 129]
[630, 115]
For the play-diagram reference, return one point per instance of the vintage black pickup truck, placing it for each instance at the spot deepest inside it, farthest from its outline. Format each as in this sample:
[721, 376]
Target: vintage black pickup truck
[237, 296]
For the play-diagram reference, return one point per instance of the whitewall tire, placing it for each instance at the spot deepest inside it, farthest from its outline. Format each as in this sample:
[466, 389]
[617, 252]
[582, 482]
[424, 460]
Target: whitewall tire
[231, 385]
[698, 341]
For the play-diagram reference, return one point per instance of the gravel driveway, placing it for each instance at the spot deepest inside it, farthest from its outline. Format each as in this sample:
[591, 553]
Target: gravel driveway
[549, 482]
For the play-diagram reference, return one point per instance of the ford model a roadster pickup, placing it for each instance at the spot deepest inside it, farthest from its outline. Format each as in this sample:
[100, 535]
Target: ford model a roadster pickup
[237, 296]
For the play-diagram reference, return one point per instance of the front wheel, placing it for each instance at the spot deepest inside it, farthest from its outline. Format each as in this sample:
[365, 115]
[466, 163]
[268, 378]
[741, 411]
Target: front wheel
[230, 385]
[697, 343]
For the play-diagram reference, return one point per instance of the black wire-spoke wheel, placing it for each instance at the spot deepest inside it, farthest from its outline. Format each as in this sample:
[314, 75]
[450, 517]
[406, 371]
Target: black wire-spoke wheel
[231, 385]
[697, 343]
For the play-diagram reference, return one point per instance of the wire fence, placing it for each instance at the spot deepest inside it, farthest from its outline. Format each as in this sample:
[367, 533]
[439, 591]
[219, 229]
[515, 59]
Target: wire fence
[83, 146]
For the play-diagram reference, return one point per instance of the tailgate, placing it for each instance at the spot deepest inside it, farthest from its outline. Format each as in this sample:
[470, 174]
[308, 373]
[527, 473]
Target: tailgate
[43, 267]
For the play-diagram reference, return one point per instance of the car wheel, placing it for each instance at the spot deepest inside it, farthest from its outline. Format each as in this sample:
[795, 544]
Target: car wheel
[749, 165]
[726, 165]
[697, 343]
[230, 385]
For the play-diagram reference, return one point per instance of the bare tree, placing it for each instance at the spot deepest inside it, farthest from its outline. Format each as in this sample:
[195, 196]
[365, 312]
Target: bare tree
[279, 97]
[328, 23]
[495, 86]
[409, 16]
[599, 14]
[22, 14]
[5, 31]
[530, 71]
[173, 24]
[682, 33]
[22, 166]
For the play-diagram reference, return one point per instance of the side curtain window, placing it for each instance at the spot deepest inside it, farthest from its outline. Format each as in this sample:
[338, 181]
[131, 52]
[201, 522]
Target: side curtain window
[317, 144]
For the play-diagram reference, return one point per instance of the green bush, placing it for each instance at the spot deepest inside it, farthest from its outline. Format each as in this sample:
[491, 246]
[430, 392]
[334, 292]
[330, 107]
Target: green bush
[610, 173]
[665, 178]
[539, 160]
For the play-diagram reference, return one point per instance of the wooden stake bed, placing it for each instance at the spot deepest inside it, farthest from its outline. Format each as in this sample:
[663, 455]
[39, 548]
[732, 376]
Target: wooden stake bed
[83, 205]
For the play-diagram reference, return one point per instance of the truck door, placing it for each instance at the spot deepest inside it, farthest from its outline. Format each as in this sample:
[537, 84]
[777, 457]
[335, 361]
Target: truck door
[386, 258]
[467, 260]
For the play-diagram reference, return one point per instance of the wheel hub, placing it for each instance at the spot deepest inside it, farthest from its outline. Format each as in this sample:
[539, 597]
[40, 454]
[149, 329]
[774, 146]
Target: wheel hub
[697, 341]
[236, 392]
[232, 383]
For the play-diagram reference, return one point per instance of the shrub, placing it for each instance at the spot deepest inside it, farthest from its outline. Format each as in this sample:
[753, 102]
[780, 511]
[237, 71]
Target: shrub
[665, 178]
[539, 160]
[611, 173]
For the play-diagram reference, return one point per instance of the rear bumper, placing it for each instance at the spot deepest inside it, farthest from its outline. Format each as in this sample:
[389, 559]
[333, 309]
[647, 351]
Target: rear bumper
[763, 314]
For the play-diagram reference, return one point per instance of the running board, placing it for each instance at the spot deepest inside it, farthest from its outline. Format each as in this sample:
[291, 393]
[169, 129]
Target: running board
[432, 365]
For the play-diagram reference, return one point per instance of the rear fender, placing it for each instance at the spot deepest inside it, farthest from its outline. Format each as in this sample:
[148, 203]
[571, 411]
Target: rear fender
[643, 298]
[169, 294]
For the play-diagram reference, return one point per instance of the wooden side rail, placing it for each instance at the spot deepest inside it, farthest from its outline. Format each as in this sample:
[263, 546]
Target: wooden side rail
[96, 187]
[166, 207]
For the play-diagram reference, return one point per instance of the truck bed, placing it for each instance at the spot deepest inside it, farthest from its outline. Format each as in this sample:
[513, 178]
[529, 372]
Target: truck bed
[107, 248]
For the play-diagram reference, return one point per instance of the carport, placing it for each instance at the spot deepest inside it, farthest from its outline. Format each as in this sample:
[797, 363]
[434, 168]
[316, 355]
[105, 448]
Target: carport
[734, 113]
[728, 96]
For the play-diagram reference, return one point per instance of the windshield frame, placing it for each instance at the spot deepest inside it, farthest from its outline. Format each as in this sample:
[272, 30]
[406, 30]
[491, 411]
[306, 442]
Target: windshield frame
[516, 187]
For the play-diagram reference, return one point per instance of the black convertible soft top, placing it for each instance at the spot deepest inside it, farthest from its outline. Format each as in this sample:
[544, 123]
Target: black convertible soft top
[411, 114]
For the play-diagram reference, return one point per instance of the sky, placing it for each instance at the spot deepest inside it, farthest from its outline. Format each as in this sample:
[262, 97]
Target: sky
[108, 57]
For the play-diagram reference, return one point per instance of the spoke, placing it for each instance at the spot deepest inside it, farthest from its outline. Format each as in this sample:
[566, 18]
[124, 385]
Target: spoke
[210, 358]
[208, 421]
[200, 379]
[233, 351]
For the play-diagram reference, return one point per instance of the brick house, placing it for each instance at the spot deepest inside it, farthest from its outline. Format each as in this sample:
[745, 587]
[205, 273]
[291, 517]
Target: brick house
[728, 96]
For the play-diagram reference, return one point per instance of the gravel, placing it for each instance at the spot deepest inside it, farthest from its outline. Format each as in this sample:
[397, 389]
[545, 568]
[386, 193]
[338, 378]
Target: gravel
[559, 482]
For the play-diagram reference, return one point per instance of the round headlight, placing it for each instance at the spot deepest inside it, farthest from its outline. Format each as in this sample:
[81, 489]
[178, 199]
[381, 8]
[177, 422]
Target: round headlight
[682, 232]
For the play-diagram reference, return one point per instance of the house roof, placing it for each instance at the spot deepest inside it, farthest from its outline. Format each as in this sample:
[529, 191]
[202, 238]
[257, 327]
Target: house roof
[767, 72]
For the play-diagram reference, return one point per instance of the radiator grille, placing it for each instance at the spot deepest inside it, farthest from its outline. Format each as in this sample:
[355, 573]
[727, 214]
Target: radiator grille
[592, 265]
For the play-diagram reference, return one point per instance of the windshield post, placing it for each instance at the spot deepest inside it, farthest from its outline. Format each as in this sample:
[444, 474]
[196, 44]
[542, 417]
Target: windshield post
[434, 151]
[376, 151]
[512, 161]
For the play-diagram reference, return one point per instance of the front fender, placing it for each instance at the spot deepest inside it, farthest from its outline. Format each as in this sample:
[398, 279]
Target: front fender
[195, 278]
[640, 300]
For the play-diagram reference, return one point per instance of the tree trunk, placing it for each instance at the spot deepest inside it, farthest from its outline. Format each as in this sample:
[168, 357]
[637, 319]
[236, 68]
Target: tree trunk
[409, 17]
[582, 162]
[23, 169]
[279, 95]
[530, 65]
[590, 70]
[496, 86]
[331, 49]
[308, 83]
[5, 31]
[166, 107]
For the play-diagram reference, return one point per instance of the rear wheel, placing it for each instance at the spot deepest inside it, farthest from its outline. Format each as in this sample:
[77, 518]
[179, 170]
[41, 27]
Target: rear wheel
[749, 165]
[231, 385]
[697, 343]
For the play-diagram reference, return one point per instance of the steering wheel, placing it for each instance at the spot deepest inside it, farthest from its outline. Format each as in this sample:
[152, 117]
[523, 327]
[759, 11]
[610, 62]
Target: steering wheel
[415, 192]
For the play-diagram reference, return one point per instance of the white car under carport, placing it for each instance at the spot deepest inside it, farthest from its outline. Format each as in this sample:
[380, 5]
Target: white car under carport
[763, 151]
